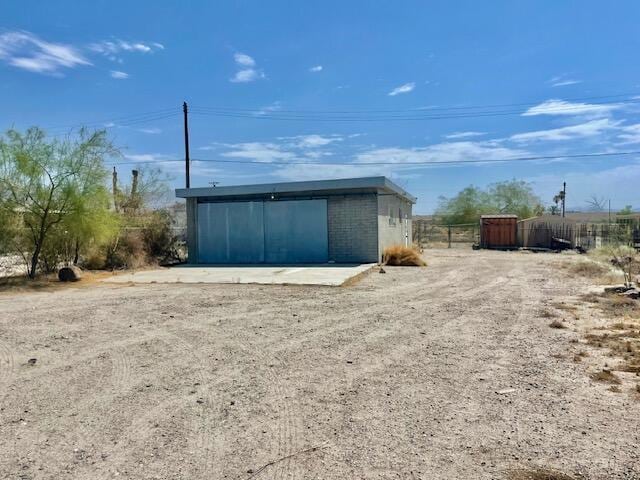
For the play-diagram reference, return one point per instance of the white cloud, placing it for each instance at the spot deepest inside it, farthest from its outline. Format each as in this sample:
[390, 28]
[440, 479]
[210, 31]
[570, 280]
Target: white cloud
[247, 75]
[316, 68]
[457, 135]
[247, 71]
[582, 130]
[118, 75]
[244, 60]
[314, 172]
[561, 107]
[113, 48]
[27, 51]
[406, 88]
[259, 151]
[313, 140]
[151, 130]
[562, 81]
[630, 134]
[146, 157]
[441, 152]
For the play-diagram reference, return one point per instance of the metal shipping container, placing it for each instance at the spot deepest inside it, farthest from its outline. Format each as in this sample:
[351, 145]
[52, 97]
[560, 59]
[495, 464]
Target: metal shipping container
[499, 231]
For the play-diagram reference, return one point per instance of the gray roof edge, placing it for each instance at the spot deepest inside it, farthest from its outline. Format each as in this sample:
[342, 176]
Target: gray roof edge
[292, 187]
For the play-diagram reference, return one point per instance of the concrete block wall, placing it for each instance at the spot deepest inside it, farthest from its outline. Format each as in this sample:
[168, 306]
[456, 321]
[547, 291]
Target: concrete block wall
[393, 228]
[353, 228]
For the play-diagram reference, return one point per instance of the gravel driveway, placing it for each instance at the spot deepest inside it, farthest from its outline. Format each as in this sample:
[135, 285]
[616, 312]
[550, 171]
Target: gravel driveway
[394, 377]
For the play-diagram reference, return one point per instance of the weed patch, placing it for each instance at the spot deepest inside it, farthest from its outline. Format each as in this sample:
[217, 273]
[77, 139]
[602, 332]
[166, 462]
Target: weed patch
[557, 324]
[606, 376]
[397, 255]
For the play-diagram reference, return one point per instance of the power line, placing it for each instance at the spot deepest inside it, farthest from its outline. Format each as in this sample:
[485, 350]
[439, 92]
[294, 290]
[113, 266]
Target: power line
[125, 120]
[262, 112]
[426, 162]
[322, 117]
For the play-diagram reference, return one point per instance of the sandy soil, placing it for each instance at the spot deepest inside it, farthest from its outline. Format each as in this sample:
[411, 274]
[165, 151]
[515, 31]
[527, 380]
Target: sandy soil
[395, 377]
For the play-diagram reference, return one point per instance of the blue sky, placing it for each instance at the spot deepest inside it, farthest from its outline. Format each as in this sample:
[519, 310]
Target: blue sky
[265, 81]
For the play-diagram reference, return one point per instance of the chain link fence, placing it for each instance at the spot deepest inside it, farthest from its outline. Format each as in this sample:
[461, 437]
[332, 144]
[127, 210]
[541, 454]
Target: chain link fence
[427, 234]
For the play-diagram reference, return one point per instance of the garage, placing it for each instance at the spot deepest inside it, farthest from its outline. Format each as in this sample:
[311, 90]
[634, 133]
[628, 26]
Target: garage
[288, 231]
[312, 222]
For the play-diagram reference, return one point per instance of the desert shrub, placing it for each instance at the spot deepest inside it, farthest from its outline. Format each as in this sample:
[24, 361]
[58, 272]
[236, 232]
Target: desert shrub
[160, 242]
[402, 256]
[127, 251]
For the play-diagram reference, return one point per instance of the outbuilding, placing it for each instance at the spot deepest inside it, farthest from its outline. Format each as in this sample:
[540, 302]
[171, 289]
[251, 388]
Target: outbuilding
[499, 231]
[324, 221]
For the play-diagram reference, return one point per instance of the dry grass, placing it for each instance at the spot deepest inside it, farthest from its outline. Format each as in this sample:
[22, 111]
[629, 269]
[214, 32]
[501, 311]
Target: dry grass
[539, 473]
[566, 307]
[557, 324]
[588, 268]
[606, 376]
[398, 255]
[613, 304]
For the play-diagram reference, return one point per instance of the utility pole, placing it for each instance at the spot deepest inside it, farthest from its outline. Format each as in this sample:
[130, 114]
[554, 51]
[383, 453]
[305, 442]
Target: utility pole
[185, 110]
[564, 196]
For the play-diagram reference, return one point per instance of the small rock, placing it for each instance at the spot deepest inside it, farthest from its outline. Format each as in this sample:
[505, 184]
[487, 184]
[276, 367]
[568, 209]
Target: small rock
[32, 361]
[382, 270]
[505, 391]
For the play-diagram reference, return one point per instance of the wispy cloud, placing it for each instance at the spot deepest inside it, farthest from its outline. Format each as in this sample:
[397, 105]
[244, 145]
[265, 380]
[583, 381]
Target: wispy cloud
[118, 75]
[406, 88]
[247, 69]
[630, 134]
[316, 69]
[458, 135]
[112, 49]
[27, 51]
[313, 140]
[259, 151]
[151, 130]
[562, 107]
[562, 81]
[582, 130]
[441, 152]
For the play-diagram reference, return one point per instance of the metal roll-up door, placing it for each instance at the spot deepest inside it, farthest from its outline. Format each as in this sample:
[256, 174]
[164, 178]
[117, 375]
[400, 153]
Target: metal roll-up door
[296, 231]
[231, 232]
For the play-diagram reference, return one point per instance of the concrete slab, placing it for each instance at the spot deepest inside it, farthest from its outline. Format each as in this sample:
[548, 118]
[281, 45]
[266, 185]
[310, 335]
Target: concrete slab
[330, 275]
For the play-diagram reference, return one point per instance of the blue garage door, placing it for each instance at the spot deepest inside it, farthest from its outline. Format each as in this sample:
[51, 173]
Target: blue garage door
[296, 231]
[288, 231]
[231, 232]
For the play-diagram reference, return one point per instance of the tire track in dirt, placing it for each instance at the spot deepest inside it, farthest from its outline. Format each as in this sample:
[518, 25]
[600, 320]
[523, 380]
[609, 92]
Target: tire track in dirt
[207, 441]
[7, 367]
[288, 419]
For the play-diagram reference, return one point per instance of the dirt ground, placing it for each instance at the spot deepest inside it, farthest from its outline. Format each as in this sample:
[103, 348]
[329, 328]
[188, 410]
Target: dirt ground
[394, 377]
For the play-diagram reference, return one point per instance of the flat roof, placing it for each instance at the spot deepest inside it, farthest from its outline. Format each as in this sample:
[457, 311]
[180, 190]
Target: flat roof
[327, 187]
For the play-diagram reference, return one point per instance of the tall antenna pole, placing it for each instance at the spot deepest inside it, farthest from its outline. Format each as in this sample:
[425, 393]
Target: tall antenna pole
[185, 110]
[564, 196]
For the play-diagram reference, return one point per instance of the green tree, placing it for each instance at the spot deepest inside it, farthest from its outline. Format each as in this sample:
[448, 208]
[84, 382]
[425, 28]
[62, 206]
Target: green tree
[53, 189]
[627, 210]
[516, 197]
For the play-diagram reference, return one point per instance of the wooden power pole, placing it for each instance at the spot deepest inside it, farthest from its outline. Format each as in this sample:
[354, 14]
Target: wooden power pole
[185, 110]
